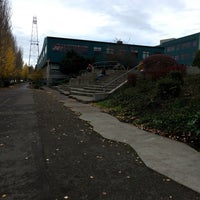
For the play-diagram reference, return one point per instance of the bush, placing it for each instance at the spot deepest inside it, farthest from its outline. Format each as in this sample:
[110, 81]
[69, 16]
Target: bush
[132, 79]
[168, 88]
[37, 79]
[176, 76]
[159, 65]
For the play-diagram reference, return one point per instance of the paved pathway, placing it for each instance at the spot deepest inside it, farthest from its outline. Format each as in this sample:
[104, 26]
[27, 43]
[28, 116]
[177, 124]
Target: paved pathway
[176, 160]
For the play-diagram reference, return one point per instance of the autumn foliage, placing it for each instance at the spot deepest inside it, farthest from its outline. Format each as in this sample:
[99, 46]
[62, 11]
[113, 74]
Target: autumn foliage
[159, 65]
[10, 55]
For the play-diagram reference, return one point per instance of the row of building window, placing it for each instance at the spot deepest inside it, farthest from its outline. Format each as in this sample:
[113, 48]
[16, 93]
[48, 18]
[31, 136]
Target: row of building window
[184, 56]
[184, 45]
[95, 49]
[43, 53]
[112, 51]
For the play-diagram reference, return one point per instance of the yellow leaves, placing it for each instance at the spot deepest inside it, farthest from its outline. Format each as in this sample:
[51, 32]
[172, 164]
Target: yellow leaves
[7, 58]
[36, 75]
[24, 72]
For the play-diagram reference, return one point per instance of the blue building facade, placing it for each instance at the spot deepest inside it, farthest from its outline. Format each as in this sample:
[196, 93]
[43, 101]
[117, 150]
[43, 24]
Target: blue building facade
[54, 50]
[183, 49]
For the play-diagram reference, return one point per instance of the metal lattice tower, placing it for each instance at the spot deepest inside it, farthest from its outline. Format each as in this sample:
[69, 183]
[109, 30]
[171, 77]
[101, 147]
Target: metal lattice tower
[34, 44]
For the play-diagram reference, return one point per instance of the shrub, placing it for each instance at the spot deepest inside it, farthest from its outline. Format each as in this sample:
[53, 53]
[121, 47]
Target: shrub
[37, 78]
[132, 79]
[194, 123]
[176, 76]
[159, 65]
[168, 88]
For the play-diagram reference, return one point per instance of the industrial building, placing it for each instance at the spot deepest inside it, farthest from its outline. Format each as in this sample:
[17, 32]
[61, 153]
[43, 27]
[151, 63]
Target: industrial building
[54, 50]
[183, 49]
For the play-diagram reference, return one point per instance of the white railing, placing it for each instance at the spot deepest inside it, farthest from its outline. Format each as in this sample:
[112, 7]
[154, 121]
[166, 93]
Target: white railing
[122, 76]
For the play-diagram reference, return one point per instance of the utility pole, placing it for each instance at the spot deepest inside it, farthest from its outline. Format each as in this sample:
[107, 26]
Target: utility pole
[34, 44]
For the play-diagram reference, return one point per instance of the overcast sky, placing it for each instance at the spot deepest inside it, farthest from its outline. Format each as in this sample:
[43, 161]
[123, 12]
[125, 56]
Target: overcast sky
[132, 21]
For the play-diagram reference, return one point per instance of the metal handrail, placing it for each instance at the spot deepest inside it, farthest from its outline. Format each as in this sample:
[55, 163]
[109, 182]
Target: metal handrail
[122, 75]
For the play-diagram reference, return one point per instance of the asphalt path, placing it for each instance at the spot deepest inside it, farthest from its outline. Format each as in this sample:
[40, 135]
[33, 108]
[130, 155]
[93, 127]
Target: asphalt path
[21, 177]
[48, 153]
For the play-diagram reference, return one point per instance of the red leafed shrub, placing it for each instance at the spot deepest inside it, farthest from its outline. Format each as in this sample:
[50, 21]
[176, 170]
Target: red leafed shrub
[132, 79]
[160, 65]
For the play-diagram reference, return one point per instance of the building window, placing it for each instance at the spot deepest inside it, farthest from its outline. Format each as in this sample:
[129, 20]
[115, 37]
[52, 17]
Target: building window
[97, 49]
[145, 54]
[176, 58]
[45, 49]
[186, 45]
[169, 49]
[109, 51]
[194, 43]
[135, 54]
[54, 67]
[177, 47]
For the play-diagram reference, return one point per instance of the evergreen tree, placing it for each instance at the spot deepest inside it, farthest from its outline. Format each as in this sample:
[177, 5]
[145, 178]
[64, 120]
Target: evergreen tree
[196, 61]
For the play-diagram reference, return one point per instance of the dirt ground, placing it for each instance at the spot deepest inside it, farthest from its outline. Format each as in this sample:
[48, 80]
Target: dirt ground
[48, 153]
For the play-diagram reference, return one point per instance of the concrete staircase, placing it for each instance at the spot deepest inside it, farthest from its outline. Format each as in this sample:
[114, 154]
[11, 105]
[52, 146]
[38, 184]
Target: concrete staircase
[86, 88]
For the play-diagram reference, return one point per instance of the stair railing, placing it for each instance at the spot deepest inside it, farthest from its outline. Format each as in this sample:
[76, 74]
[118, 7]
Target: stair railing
[124, 75]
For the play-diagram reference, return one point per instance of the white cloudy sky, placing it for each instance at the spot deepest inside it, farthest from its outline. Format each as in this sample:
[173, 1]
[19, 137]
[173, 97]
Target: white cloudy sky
[132, 21]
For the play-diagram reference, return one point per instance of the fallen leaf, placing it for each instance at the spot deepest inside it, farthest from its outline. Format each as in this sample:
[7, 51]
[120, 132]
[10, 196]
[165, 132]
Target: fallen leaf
[53, 129]
[99, 157]
[2, 145]
[4, 196]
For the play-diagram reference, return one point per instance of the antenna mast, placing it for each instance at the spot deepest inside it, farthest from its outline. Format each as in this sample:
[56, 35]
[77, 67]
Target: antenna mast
[34, 44]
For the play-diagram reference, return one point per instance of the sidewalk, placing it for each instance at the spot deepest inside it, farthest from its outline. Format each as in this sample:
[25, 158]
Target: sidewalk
[176, 160]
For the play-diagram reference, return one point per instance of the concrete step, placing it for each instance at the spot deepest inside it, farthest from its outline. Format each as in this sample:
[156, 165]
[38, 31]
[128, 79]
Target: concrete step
[81, 93]
[83, 99]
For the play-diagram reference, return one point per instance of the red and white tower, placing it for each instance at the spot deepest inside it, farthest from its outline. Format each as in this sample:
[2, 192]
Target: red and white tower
[34, 44]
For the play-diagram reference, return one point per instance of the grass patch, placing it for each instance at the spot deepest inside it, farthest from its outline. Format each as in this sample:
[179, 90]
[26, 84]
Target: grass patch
[163, 110]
